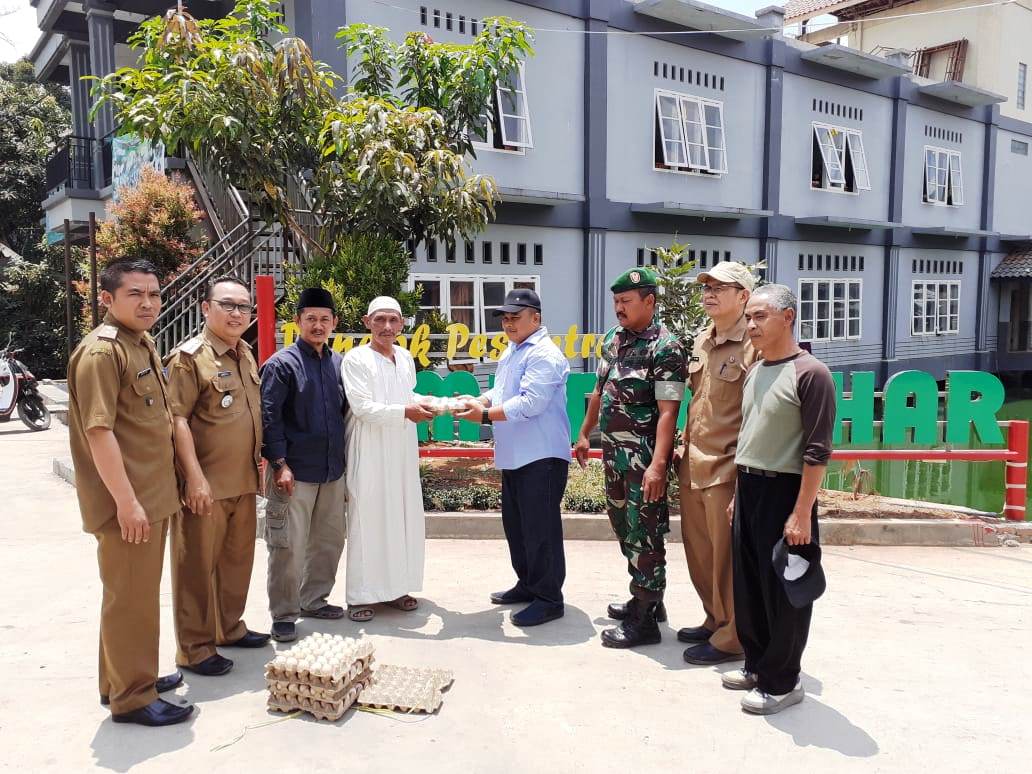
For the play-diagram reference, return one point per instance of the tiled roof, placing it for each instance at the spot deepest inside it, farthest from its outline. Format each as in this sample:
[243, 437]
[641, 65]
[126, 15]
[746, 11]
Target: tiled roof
[1017, 265]
[806, 9]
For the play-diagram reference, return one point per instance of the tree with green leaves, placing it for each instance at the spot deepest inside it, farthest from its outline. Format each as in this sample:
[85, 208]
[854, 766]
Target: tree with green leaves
[33, 117]
[390, 157]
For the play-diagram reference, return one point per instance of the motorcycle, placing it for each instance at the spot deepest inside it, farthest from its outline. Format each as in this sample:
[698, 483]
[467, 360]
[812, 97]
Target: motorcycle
[18, 388]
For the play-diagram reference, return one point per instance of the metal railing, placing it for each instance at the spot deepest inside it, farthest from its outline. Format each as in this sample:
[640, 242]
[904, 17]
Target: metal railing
[71, 166]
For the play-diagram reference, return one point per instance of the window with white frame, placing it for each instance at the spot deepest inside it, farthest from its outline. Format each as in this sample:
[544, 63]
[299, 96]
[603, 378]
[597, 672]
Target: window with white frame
[838, 161]
[936, 308]
[468, 299]
[943, 181]
[505, 123]
[829, 310]
[689, 134]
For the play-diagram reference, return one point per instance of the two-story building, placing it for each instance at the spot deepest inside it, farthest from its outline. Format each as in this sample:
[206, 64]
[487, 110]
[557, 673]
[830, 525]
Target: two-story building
[890, 202]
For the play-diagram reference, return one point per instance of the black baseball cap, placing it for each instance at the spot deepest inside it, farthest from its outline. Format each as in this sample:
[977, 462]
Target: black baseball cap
[518, 299]
[800, 572]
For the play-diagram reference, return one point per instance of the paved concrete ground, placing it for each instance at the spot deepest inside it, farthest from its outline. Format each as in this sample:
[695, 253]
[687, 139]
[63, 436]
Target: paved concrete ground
[917, 661]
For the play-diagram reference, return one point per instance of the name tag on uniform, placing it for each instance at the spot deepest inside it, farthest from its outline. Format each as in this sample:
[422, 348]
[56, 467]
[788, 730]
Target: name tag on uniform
[225, 373]
[143, 373]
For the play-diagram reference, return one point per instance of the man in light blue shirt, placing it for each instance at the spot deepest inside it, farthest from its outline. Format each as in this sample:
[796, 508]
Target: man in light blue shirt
[527, 408]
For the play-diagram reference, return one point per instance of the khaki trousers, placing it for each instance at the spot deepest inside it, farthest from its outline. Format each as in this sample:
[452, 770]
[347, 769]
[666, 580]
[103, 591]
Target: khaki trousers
[129, 615]
[305, 536]
[706, 535]
[212, 558]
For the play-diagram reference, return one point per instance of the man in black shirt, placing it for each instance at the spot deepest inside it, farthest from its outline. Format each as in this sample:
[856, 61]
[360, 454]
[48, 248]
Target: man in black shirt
[303, 407]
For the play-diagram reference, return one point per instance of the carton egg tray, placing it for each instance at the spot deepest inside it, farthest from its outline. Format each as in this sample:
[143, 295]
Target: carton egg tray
[406, 689]
[319, 659]
[320, 708]
[320, 689]
[278, 678]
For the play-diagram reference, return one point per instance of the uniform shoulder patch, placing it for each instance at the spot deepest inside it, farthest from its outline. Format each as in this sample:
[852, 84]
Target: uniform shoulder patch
[106, 331]
[191, 346]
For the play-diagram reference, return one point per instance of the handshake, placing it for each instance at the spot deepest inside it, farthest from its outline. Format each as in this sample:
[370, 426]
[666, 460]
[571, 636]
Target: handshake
[430, 406]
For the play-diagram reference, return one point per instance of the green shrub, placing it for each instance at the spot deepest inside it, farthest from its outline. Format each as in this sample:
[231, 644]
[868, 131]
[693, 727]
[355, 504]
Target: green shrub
[585, 489]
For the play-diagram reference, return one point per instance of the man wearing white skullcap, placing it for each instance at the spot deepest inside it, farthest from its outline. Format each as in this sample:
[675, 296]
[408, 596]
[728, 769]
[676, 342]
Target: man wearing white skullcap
[385, 515]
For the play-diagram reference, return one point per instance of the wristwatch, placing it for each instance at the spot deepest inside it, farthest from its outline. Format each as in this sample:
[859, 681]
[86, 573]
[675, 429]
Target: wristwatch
[278, 464]
[485, 419]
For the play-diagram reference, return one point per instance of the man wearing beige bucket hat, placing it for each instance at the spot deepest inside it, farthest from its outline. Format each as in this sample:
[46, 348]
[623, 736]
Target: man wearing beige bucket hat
[716, 372]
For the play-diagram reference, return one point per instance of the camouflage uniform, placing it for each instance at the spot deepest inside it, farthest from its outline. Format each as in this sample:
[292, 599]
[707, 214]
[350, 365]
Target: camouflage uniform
[636, 371]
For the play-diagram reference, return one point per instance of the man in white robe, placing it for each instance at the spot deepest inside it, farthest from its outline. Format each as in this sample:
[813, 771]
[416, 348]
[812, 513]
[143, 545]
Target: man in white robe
[386, 531]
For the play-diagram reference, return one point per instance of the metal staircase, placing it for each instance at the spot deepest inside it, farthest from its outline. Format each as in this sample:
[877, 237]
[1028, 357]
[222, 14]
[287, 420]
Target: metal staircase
[245, 247]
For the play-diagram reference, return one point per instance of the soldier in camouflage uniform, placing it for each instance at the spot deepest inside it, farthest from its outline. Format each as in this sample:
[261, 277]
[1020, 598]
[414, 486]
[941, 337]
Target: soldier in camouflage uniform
[641, 379]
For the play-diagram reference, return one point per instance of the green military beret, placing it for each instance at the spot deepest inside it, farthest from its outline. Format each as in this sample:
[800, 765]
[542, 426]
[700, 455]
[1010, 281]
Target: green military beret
[642, 277]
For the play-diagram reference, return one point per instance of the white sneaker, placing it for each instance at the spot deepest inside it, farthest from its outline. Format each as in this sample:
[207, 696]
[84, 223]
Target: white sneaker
[738, 680]
[759, 703]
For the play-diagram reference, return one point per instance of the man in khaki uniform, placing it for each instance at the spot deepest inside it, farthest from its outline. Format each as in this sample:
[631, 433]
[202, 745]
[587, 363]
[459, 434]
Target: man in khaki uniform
[216, 408]
[716, 373]
[121, 439]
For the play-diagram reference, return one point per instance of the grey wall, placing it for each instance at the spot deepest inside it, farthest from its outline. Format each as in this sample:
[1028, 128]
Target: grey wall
[1012, 212]
[936, 346]
[868, 348]
[797, 197]
[560, 271]
[631, 100]
[971, 146]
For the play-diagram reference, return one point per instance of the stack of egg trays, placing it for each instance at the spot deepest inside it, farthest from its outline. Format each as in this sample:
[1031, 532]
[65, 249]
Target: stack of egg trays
[321, 675]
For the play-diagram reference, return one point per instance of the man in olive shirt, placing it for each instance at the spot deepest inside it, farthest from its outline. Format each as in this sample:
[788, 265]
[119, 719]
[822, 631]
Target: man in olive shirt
[120, 431]
[788, 412]
[716, 373]
[216, 408]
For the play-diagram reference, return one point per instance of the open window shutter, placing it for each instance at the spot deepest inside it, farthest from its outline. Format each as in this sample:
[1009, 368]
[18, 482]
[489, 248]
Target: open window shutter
[714, 114]
[695, 132]
[514, 112]
[956, 180]
[829, 154]
[671, 132]
[930, 164]
[861, 176]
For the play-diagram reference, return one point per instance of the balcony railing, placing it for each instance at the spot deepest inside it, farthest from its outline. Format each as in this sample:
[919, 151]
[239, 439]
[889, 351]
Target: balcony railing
[71, 166]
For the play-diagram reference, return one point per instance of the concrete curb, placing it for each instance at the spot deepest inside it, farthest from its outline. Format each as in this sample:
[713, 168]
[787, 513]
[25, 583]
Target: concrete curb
[483, 525]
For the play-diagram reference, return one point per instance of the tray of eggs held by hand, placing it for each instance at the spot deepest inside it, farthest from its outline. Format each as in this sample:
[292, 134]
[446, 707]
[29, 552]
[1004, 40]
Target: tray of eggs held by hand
[439, 406]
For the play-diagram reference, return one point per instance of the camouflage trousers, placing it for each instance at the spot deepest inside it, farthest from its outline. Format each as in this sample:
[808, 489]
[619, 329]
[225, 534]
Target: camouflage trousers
[640, 526]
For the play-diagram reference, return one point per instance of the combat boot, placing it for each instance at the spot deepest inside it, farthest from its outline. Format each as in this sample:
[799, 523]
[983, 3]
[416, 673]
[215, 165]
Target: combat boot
[638, 628]
[618, 611]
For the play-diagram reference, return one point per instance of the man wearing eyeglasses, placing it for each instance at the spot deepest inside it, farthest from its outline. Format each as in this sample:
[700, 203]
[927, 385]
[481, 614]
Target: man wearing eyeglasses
[216, 408]
[706, 473]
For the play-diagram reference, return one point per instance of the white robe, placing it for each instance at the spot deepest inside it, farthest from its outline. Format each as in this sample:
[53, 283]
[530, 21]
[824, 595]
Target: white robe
[386, 531]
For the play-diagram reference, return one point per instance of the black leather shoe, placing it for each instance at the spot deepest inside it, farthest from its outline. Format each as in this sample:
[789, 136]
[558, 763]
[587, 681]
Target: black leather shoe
[618, 611]
[707, 655]
[158, 713]
[164, 683]
[284, 631]
[537, 613]
[638, 628]
[249, 640]
[326, 611]
[694, 634]
[513, 596]
[213, 666]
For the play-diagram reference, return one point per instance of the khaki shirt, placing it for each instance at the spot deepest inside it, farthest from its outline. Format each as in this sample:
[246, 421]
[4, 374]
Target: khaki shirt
[115, 381]
[216, 389]
[716, 376]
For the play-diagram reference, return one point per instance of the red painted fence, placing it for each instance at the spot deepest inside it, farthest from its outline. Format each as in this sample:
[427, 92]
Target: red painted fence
[1015, 456]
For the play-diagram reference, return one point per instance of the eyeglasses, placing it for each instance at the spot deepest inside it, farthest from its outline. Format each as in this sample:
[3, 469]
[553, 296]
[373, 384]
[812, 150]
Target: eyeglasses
[714, 289]
[228, 307]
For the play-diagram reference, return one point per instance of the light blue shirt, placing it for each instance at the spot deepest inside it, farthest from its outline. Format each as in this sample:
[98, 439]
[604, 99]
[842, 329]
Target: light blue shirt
[530, 385]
